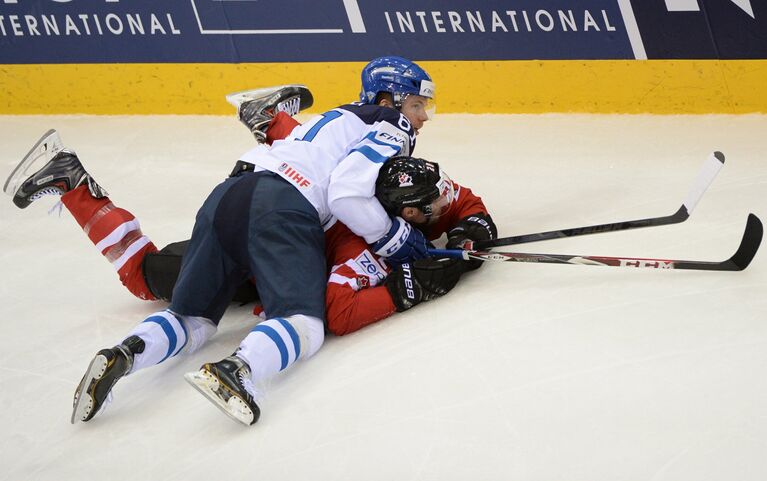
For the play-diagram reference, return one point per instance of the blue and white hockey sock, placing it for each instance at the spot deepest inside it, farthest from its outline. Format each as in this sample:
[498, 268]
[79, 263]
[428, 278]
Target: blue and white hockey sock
[165, 334]
[277, 343]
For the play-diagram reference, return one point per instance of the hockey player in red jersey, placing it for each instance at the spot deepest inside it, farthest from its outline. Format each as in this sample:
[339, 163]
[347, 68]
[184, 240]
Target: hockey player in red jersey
[361, 288]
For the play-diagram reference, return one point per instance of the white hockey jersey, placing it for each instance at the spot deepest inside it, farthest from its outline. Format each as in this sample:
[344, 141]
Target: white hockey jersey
[334, 159]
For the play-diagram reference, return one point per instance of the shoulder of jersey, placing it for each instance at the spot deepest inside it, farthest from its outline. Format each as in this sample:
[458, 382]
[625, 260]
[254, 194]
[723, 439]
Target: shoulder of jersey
[371, 114]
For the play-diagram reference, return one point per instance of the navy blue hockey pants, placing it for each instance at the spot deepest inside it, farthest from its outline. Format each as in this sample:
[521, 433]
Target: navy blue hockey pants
[254, 225]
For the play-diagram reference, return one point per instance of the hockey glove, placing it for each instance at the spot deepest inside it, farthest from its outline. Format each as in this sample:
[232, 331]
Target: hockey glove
[403, 243]
[472, 228]
[423, 280]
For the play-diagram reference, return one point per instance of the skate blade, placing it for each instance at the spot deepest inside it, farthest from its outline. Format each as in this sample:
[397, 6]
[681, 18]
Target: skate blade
[207, 385]
[46, 148]
[84, 402]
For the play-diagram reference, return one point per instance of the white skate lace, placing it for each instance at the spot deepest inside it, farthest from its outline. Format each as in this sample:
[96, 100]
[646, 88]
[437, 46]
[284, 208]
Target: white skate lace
[291, 105]
[247, 383]
[58, 206]
[44, 192]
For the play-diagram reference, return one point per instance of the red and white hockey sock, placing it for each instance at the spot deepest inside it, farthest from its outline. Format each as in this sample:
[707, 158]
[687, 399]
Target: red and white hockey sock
[116, 233]
[280, 127]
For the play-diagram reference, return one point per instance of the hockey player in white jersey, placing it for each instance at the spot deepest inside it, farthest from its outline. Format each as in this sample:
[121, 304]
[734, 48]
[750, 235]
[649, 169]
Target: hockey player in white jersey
[266, 222]
[334, 158]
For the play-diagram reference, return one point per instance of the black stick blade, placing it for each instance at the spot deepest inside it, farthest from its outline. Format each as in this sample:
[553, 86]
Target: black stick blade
[752, 238]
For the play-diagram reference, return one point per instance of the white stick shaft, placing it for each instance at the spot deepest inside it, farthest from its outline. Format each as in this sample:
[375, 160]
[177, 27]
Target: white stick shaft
[711, 168]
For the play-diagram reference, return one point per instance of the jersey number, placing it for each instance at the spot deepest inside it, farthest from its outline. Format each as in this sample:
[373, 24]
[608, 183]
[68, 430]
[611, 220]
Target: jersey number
[404, 123]
[326, 117]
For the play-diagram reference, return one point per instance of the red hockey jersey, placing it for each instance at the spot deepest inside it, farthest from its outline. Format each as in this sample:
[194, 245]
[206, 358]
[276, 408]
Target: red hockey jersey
[356, 295]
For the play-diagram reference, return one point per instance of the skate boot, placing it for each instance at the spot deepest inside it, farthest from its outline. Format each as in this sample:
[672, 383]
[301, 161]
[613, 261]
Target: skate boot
[61, 172]
[227, 385]
[256, 108]
[109, 365]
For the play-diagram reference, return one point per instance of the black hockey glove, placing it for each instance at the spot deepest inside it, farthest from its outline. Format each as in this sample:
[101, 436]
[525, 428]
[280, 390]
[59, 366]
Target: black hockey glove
[422, 280]
[472, 228]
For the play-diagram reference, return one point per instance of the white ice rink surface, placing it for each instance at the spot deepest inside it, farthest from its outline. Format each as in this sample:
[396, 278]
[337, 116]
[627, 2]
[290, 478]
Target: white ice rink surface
[523, 372]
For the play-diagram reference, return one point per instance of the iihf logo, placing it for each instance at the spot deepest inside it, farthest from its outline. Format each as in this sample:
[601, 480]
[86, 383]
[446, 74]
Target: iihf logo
[282, 167]
[405, 180]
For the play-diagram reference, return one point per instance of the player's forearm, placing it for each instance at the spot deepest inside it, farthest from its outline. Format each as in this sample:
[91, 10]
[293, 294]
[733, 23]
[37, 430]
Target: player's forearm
[349, 311]
[363, 216]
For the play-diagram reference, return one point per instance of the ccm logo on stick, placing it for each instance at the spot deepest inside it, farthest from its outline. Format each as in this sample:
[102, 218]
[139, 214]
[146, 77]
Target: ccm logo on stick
[651, 264]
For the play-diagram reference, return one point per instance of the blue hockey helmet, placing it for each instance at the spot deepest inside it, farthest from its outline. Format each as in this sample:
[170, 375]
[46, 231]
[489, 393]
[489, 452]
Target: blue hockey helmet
[399, 77]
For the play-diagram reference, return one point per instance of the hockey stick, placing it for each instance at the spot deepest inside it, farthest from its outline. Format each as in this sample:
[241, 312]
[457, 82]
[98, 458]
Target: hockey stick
[708, 172]
[752, 237]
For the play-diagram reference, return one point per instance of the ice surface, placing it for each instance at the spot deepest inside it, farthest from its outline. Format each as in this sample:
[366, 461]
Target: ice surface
[524, 372]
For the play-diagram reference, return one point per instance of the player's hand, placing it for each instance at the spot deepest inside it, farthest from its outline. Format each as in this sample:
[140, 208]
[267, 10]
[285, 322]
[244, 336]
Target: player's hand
[472, 228]
[422, 280]
[403, 243]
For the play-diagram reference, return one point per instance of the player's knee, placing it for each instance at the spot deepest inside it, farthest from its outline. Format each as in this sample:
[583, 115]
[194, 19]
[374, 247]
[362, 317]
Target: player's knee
[310, 331]
[160, 269]
[198, 331]
[134, 281]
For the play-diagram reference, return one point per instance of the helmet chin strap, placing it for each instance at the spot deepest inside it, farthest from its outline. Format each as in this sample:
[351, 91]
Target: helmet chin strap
[427, 211]
[399, 99]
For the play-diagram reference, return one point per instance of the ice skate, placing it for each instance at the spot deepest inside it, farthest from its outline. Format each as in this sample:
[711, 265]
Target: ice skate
[256, 108]
[109, 365]
[61, 172]
[227, 385]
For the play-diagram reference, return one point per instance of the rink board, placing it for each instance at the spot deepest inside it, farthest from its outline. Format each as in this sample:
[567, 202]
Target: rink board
[494, 56]
[595, 86]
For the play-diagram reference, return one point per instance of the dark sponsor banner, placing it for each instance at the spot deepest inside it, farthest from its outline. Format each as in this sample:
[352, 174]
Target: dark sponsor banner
[96, 31]
[690, 29]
